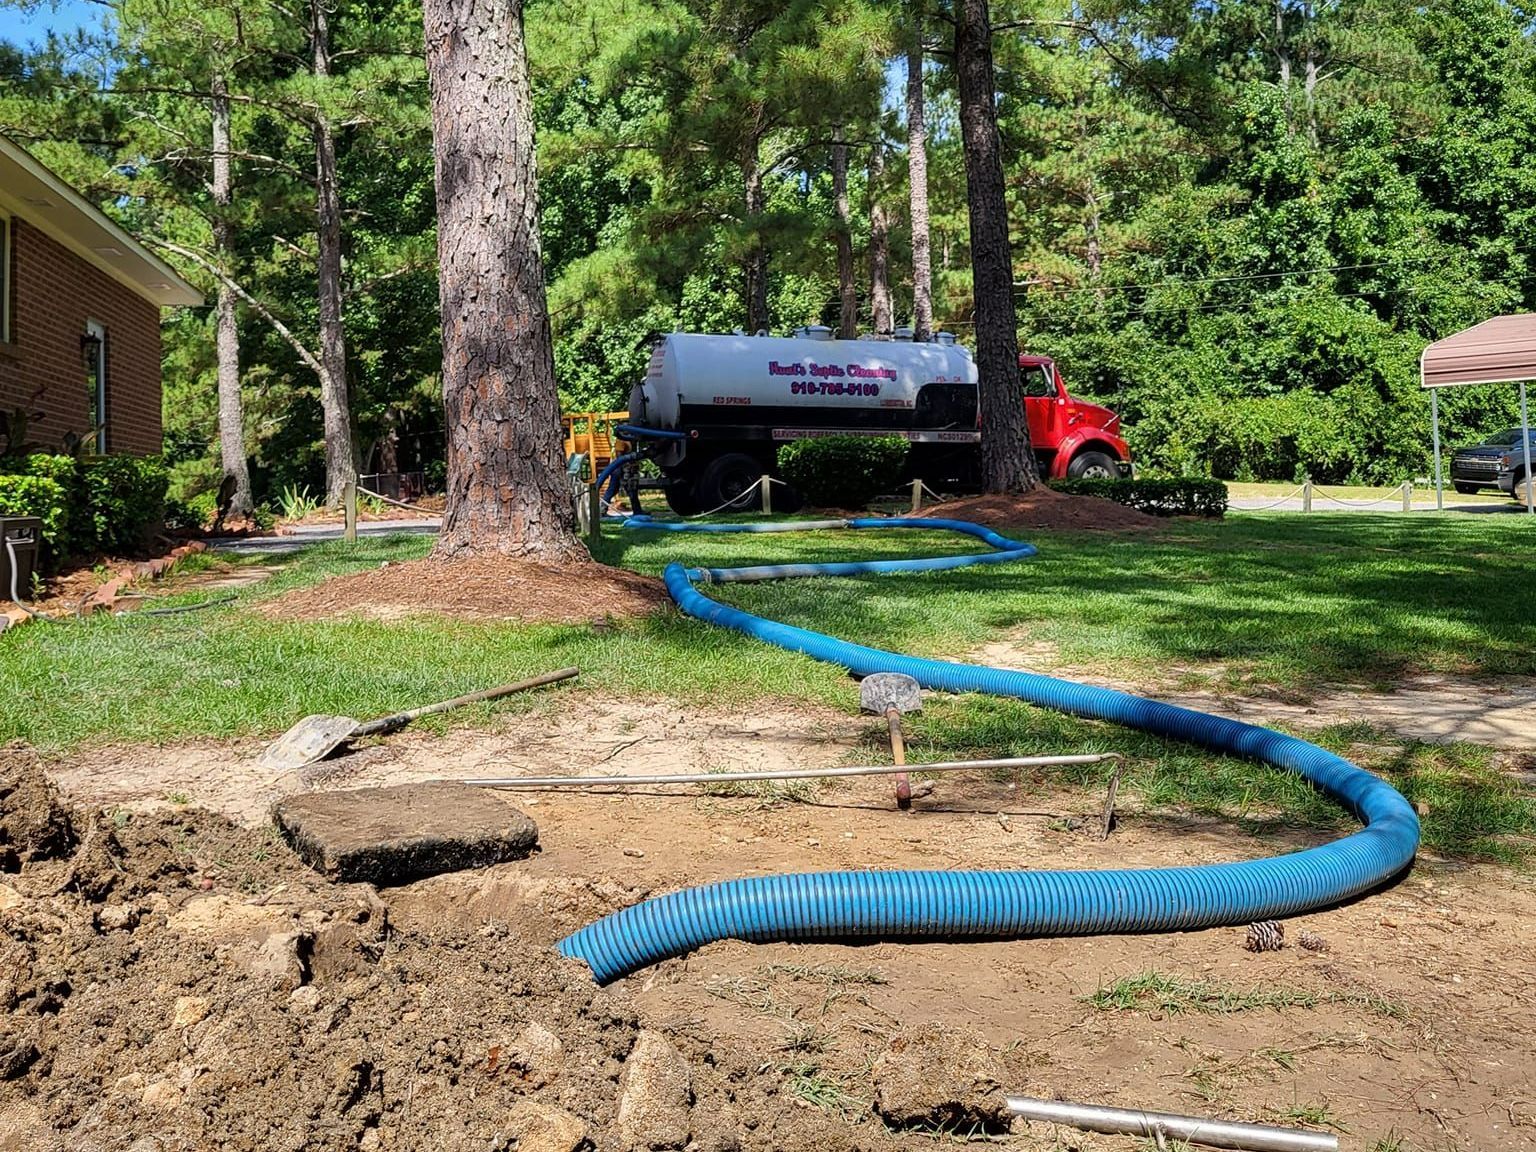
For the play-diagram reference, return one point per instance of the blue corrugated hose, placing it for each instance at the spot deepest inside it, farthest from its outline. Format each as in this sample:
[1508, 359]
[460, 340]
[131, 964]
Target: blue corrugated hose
[610, 474]
[954, 905]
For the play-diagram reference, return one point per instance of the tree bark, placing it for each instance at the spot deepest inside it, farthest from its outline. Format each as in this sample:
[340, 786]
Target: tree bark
[1007, 460]
[917, 170]
[340, 455]
[226, 332]
[847, 291]
[506, 473]
[757, 254]
[881, 311]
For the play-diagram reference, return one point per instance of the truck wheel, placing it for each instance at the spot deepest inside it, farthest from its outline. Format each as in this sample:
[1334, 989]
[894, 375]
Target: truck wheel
[1092, 466]
[682, 498]
[725, 481]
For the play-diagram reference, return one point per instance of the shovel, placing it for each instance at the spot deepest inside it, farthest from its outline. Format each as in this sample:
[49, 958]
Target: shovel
[316, 737]
[890, 694]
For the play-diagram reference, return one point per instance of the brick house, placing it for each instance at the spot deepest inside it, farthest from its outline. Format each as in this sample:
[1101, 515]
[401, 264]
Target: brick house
[80, 305]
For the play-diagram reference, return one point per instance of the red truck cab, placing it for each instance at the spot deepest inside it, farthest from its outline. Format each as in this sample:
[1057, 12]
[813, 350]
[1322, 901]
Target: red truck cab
[1071, 437]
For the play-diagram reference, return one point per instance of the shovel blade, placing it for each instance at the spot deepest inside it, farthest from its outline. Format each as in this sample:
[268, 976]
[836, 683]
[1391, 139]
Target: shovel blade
[881, 690]
[311, 739]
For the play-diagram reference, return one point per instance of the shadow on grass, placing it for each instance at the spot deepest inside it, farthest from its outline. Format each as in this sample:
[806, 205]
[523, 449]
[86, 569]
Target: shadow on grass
[1369, 600]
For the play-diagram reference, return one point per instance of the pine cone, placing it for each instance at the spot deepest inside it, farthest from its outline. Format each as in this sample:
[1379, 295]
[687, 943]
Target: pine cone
[1312, 942]
[1265, 936]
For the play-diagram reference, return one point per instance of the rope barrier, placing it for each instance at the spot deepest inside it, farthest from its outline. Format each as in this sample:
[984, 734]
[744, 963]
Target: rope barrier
[1395, 498]
[1274, 503]
[361, 491]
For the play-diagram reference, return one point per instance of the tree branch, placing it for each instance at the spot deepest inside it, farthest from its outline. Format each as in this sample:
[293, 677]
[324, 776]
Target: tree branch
[309, 358]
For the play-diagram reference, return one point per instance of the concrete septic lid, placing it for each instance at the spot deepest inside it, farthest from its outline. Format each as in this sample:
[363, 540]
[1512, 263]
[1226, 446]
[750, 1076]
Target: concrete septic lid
[405, 832]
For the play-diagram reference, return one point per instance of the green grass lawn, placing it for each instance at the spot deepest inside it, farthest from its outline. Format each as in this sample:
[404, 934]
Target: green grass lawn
[1280, 602]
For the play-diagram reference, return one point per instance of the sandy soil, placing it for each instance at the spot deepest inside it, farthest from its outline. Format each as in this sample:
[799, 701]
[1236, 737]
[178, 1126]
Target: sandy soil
[1417, 1021]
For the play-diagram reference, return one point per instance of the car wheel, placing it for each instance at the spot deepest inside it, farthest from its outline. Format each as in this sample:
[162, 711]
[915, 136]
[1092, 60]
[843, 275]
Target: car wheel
[1093, 466]
[1465, 489]
[728, 483]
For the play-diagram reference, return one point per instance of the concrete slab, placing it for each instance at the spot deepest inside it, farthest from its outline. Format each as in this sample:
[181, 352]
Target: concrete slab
[397, 834]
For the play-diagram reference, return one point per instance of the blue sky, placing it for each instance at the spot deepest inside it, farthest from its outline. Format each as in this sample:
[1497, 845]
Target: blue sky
[27, 26]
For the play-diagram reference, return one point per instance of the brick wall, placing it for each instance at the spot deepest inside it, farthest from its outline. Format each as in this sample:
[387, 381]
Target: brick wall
[53, 294]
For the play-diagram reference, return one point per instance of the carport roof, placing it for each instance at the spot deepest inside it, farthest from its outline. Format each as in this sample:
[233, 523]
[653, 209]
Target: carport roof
[1497, 351]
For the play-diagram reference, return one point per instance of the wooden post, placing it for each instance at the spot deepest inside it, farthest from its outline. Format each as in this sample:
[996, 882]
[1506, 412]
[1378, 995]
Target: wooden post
[766, 485]
[1407, 495]
[349, 509]
[594, 516]
[917, 494]
[1306, 494]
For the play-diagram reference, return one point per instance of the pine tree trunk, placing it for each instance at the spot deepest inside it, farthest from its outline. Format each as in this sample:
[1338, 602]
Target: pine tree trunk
[757, 254]
[847, 291]
[881, 310]
[506, 473]
[226, 332]
[340, 456]
[1007, 461]
[917, 169]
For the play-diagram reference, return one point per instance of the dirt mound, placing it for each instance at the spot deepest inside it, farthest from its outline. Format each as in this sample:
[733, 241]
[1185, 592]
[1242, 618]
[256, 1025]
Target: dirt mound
[478, 588]
[34, 824]
[1044, 508]
[219, 993]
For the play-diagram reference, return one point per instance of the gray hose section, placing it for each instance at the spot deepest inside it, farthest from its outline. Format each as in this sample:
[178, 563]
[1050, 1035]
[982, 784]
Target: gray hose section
[10, 552]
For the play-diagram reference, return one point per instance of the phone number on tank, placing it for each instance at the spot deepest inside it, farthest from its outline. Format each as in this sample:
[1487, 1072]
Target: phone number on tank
[833, 388]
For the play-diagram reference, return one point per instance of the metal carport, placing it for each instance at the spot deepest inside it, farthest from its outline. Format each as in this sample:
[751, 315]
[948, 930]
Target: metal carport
[1497, 351]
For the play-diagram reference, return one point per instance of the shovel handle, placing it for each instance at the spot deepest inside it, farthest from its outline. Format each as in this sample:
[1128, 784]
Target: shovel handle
[401, 719]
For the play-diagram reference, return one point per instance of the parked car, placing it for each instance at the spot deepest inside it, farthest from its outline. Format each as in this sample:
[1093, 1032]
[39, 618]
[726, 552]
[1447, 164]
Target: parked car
[1498, 462]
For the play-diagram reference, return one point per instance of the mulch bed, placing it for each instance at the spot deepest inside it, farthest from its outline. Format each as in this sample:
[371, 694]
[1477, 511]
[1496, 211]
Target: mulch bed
[478, 588]
[1045, 508]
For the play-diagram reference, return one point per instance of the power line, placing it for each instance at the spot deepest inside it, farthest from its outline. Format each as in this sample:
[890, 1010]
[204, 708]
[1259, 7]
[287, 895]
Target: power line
[1255, 306]
[1173, 281]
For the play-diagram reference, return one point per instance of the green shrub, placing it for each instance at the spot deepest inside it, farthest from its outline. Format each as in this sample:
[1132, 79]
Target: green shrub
[66, 538]
[37, 496]
[124, 498]
[843, 471]
[91, 503]
[1180, 497]
[190, 515]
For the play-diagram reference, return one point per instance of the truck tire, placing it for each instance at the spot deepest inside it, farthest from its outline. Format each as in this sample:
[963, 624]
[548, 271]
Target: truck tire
[682, 497]
[726, 478]
[1093, 466]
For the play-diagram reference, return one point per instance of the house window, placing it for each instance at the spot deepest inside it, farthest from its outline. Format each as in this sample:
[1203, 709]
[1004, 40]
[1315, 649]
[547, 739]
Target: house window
[5, 279]
[93, 345]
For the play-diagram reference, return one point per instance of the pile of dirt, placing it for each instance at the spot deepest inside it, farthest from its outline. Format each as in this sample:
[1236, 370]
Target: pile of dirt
[1045, 508]
[194, 985]
[478, 588]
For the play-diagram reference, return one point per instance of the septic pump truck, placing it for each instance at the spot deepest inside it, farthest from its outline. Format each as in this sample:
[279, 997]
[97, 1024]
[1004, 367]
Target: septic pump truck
[713, 411]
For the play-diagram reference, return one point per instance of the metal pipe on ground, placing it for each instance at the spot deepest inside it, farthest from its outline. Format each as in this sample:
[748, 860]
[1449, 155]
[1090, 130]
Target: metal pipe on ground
[535, 782]
[1188, 1129]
